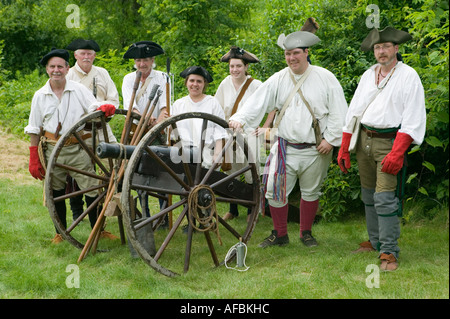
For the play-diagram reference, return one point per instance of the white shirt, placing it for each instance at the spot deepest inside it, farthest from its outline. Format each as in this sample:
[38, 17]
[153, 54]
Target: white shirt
[227, 94]
[106, 89]
[400, 103]
[190, 130]
[322, 91]
[155, 77]
[47, 110]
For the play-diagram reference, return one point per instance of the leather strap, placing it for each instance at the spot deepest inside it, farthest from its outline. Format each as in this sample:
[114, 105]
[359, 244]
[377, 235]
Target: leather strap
[289, 99]
[71, 141]
[241, 95]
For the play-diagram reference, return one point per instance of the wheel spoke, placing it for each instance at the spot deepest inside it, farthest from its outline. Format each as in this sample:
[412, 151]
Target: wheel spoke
[170, 235]
[167, 168]
[91, 154]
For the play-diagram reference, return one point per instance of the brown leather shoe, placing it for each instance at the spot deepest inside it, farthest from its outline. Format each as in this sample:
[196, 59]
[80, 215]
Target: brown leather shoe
[107, 234]
[228, 216]
[57, 239]
[388, 262]
[363, 247]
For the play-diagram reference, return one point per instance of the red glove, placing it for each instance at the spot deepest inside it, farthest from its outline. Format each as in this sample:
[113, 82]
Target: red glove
[108, 109]
[393, 161]
[35, 166]
[343, 158]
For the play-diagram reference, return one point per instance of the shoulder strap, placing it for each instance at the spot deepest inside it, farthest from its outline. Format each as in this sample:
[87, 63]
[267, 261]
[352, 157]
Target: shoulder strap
[304, 100]
[143, 88]
[241, 95]
[291, 96]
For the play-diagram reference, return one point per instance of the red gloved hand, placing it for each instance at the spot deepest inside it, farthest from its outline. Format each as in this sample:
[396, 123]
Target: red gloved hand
[35, 166]
[393, 161]
[108, 109]
[343, 158]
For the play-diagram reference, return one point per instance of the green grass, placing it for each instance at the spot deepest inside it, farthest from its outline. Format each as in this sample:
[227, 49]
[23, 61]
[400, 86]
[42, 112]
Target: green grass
[32, 267]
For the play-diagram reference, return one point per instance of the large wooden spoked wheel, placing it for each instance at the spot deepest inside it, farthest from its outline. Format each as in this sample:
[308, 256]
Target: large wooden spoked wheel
[76, 232]
[181, 186]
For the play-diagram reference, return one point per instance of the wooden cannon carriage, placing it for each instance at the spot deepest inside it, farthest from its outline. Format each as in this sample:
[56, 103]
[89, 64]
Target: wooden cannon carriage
[188, 193]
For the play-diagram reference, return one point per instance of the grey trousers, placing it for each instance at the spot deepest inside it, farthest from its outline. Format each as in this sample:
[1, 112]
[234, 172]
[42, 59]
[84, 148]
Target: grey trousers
[383, 225]
[378, 194]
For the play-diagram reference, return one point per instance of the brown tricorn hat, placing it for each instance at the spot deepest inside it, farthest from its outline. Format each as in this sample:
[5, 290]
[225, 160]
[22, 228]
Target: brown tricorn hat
[238, 53]
[388, 34]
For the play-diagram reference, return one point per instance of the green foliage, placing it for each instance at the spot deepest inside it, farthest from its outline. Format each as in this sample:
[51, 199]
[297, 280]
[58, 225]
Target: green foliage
[340, 193]
[15, 99]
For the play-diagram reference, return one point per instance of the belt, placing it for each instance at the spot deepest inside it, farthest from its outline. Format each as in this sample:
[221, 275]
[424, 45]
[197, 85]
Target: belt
[300, 146]
[71, 141]
[375, 134]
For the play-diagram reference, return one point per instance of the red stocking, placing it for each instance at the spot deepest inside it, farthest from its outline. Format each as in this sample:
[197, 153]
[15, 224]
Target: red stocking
[308, 212]
[279, 219]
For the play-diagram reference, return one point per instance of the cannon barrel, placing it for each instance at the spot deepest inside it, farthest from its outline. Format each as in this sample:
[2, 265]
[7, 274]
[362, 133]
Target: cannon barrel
[105, 150]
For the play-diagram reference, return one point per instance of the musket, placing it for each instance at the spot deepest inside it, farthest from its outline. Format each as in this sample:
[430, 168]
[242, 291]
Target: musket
[127, 126]
[94, 87]
[169, 203]
[143, 115]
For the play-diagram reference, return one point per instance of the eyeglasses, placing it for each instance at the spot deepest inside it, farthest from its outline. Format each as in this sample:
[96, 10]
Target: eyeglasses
[382, 46]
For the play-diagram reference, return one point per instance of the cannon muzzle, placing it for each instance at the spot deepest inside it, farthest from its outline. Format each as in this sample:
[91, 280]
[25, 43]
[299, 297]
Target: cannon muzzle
[105, 150]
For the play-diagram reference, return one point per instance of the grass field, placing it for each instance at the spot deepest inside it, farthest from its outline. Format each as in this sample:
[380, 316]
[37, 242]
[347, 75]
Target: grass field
[31, 267]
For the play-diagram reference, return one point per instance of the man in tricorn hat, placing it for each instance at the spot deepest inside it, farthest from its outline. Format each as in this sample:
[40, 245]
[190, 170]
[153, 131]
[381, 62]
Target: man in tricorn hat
[144, 53]
[99, 82]
[95, 78]
[389, 103]
[305, 96]
[55, 108]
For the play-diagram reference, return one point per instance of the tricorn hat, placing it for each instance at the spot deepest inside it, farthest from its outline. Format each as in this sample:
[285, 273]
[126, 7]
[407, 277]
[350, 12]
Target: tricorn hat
[83, 44]
[143, 49]
[388, 34]
[55, 52]
[199, 70]
[304, 38]
[238, 53]
[298, 39]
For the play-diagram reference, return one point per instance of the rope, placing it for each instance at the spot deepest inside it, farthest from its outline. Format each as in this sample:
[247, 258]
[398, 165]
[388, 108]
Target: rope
[42, 147]
[207, 222]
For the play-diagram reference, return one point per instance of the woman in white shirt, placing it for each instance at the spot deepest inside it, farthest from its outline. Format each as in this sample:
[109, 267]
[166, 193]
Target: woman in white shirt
[190, 130]
[232, 93]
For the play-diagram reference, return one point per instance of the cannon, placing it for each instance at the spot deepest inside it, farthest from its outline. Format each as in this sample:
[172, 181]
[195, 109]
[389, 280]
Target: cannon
[178, 186]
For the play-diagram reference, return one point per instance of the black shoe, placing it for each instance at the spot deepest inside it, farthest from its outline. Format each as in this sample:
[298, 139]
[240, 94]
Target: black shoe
[308, 239]
[273, 240]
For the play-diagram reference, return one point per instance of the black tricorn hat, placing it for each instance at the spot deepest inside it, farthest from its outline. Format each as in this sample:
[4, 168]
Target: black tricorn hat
[388, 34]
[238, 53]
[83, 44]
[199, 70]
[143, 49]
[55, 52]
